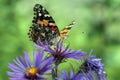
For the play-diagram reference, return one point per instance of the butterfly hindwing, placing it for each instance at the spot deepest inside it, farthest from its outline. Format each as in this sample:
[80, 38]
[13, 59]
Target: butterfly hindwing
[65, 31]
[43, 27]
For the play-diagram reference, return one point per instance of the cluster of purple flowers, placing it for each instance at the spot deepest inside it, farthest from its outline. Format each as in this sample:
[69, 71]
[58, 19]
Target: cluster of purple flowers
[22, 68]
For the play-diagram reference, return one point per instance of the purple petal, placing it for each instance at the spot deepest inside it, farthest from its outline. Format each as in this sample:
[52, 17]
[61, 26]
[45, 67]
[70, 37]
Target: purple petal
[22, 61]
[15, 68]
[27, 59]
[38, 57]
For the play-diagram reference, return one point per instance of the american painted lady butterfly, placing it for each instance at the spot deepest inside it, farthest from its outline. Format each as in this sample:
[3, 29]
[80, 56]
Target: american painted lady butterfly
[44, 28]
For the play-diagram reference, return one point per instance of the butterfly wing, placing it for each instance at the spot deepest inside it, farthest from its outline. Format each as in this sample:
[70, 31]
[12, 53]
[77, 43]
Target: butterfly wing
[43, 27]
[64, 32]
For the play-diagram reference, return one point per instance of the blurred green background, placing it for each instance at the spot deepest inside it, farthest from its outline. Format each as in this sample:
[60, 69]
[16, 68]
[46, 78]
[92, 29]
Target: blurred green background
[97, 26]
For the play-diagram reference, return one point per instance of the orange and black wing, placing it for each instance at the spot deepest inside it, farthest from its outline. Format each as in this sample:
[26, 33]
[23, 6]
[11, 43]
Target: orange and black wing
[43, 26]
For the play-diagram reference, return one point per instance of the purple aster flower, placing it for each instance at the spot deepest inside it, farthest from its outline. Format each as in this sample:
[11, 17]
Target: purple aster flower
[93, 64]
[90, 75]
[79, 76]
[60, 52]
[23, 69]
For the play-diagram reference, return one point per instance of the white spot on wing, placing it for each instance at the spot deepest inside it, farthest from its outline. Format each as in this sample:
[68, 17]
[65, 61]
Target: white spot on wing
[40, 14]
[43, 34]
[43, 8]
[47, 15]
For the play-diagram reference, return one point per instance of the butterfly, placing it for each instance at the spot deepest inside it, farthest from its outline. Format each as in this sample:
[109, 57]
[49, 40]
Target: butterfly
[44, 28]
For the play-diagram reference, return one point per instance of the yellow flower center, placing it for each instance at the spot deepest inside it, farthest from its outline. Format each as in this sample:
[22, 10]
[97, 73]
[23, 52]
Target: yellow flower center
[31, 72]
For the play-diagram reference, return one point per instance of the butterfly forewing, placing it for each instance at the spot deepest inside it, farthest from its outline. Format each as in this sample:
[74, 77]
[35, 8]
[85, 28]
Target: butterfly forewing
[43, 27]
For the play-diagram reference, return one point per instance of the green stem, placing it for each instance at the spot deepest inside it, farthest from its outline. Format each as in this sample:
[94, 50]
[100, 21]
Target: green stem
[56, 71]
